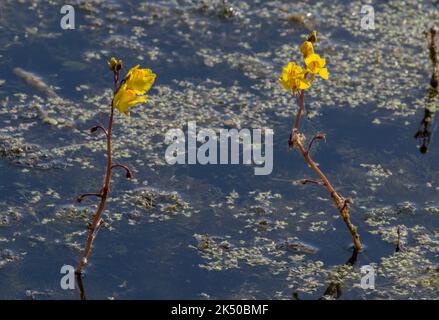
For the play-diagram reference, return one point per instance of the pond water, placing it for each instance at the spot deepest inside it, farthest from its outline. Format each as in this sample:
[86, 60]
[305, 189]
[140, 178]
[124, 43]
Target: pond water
[218, 231]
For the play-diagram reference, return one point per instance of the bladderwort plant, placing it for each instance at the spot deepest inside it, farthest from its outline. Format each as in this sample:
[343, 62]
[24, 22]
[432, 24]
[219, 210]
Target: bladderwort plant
[127, 93]
[296, 80]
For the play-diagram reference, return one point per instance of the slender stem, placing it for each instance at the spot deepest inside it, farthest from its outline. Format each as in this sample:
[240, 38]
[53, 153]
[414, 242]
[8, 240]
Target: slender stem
[398, 244]
[82, 196]
[105, 190]
[99, 126]
[297, 121]
[434, 51]
[318, 136]
[318, 182]
[340, 202]
[129, 173]
[299, 113]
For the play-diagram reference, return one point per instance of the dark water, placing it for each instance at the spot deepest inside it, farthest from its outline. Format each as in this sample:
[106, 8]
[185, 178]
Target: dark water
[145, 257]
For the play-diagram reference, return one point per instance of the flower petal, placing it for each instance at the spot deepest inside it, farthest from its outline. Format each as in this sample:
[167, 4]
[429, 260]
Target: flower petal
[324, 73]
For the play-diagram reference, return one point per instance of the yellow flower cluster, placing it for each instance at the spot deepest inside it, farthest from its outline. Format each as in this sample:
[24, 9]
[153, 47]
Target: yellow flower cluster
[294, 77]
[133, 89]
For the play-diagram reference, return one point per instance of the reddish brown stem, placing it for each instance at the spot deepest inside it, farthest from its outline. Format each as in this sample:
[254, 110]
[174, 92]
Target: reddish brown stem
[299, 113]
[90, 194]
[105, 189]
[341, 203]
[318, 136]
[306, 181]
[129, 173]
[99, 126]
[434, 51]
[297, 121]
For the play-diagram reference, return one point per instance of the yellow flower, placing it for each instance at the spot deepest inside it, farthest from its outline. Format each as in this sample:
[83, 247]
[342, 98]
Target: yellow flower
[294, 78]
[140, 80]
[315, 65]
[126, 98]
[307, 49]
[136, 83]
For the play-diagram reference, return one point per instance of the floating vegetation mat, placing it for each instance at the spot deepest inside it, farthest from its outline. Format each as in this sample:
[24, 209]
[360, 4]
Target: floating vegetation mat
[211, 231]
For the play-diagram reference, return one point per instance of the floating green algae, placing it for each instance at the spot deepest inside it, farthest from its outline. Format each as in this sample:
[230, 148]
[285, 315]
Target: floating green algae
[220, 68]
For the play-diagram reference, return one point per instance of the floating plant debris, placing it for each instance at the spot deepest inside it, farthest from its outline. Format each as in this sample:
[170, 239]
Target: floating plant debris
[35, 82]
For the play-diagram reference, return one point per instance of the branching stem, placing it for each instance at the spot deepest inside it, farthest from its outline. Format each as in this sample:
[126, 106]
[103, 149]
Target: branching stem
[129, 173]
[99, 126]
[90, 194]
[105, 189]
[341, 203]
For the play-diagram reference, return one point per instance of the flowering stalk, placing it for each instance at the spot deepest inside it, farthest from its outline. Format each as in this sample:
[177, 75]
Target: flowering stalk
[127, 93]
[294, 78]
[341, 203]
[434, 56]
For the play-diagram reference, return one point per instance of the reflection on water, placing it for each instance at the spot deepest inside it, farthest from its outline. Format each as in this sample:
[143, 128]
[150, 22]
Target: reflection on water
[334, 289]
[424, 132]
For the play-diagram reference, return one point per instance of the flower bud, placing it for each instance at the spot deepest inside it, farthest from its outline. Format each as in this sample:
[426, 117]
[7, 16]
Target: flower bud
[312, 37]
[114, 64]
